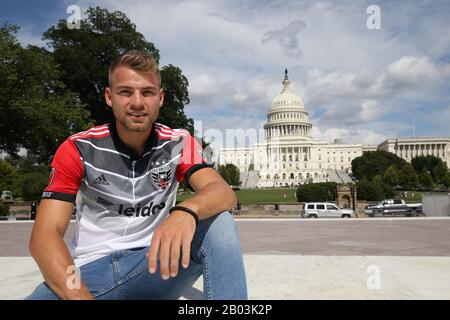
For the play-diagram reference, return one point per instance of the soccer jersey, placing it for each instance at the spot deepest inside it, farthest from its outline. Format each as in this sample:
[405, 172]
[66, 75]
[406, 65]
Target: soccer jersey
[120, 198]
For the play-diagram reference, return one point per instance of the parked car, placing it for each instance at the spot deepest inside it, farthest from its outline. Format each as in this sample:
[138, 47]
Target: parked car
[7, 197]
[326, 210]
[394, 207]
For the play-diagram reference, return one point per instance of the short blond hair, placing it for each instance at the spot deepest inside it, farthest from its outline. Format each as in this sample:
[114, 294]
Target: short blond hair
[138, 61]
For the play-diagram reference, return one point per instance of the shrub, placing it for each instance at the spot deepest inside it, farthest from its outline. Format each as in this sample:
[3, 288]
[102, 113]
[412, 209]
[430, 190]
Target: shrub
[324, 191]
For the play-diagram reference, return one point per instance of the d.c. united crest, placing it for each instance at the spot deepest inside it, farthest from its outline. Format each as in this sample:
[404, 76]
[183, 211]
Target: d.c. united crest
[161, 176]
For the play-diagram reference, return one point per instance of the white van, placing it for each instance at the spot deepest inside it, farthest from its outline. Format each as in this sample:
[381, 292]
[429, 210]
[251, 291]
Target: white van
[326, 210]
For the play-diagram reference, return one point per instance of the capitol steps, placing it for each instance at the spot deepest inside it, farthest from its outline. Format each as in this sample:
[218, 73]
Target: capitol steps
[344, 176]
[338, 176]
[249, 179]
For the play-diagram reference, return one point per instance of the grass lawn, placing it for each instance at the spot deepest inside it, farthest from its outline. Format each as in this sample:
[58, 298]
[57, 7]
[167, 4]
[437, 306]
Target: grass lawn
[260, 196]
[411, 196]
[272, 195]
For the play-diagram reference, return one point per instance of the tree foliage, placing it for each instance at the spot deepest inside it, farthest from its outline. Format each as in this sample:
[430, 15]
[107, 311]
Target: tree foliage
[230, 173]
[370, 190]
[439, 173]
[26, 169]
[425, 180]
[33, 183]
[84, 56]
[390, 176]
[7, 175]
[407, 177]
[176, 96]
[323, 191]
[427, 162]
[374, 163]
[38, 112]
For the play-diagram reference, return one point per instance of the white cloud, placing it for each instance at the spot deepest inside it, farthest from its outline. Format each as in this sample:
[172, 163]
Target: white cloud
[208, 91]
[352, 136]
[27, 37]
[412, 72]
[225, 131]
[256, 95]
[234, 53]
[407, 74]
[437, 121]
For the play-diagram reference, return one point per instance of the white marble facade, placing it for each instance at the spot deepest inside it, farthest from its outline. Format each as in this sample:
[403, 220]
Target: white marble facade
[290, 156]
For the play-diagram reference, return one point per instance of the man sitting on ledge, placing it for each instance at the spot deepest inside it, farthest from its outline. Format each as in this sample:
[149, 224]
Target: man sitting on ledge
[131, 242]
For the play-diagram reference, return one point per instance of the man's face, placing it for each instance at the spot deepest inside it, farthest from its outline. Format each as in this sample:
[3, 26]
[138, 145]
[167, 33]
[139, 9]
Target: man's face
[135, 99]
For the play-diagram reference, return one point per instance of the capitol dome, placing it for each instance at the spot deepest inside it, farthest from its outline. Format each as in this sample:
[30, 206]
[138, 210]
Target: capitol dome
[287, 119]
[287, 98]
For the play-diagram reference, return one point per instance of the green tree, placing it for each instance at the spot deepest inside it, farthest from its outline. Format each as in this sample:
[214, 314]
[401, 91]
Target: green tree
[425, 180]
[407, 177]
[439, 173]
[33, 183]
[377, 179]
[85, 54]
[7, 175]
[375, 163]
[390, 176]
[323, 191]
[388, 191]
[369, 190]
[230, 173]
[432, 164]
[447, 180]
[4, 209]
[25, 167]
[176, 96]
[427, 162]
[38, 112]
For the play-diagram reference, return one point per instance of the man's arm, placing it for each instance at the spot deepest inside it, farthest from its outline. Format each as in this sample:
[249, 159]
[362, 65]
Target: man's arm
[212, 196]
[51, 253]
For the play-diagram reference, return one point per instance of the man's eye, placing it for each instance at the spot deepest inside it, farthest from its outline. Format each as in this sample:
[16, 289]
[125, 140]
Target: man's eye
[147, 93]
[125, 93]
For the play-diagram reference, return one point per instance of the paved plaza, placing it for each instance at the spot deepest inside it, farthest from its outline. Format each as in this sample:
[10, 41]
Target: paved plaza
[384, 258]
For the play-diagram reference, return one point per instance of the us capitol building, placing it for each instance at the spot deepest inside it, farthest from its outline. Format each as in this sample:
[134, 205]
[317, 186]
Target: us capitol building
[289, 156]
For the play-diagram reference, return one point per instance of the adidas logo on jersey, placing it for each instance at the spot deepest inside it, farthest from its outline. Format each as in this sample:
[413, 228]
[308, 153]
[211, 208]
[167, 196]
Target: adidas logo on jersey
[101, 180]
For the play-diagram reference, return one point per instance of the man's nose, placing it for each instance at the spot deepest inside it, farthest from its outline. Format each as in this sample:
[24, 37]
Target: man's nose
[137, 99]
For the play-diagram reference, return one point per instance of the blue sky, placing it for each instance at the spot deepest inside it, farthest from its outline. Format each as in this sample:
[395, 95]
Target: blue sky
[357, 84]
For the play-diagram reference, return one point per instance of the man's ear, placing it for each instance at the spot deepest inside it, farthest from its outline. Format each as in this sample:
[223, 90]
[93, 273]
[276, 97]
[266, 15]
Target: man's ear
[108, 96]
[161, 97]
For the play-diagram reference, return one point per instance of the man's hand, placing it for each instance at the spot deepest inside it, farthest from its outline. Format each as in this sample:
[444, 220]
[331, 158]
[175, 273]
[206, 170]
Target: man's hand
[172, 235]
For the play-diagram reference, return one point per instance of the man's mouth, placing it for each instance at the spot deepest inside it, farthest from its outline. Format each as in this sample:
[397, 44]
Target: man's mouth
[137, 116]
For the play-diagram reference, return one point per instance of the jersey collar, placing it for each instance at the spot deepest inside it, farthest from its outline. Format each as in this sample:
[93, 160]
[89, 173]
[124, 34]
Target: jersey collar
[122, 147]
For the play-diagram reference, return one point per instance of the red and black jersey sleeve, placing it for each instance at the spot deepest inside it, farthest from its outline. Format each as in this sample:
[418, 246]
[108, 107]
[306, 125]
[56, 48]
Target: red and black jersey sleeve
[192, 159]
[66, 174]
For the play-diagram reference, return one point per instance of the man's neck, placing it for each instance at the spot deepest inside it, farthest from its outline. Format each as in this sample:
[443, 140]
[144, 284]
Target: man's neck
[136, 141]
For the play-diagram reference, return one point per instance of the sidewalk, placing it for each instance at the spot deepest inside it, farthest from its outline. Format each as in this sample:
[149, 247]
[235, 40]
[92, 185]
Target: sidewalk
[283, 277]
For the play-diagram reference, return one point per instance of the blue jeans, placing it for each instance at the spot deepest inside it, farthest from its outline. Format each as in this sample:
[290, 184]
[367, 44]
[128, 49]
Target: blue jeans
[215, 253]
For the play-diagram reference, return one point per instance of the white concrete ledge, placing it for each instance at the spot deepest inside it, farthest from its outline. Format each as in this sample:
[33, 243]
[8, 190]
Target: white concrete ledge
[282, 277]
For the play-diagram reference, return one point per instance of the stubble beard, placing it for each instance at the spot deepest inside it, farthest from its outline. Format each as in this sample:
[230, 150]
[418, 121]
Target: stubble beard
[138, 127]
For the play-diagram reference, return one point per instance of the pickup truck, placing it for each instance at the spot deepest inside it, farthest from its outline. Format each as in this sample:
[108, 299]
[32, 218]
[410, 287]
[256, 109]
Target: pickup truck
[394, 207]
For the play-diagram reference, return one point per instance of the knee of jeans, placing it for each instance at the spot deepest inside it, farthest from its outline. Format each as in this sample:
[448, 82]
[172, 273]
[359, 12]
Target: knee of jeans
[223, 232]
[42, 292]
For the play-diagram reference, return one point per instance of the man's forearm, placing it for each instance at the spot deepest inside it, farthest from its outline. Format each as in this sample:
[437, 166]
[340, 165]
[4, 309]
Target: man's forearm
[57, 267]
[212, 199]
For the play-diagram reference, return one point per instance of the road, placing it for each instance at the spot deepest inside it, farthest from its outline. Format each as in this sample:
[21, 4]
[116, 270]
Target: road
[350, 237]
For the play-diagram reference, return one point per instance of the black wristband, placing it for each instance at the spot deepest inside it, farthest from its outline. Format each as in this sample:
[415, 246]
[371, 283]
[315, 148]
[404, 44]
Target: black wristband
[190, 211]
